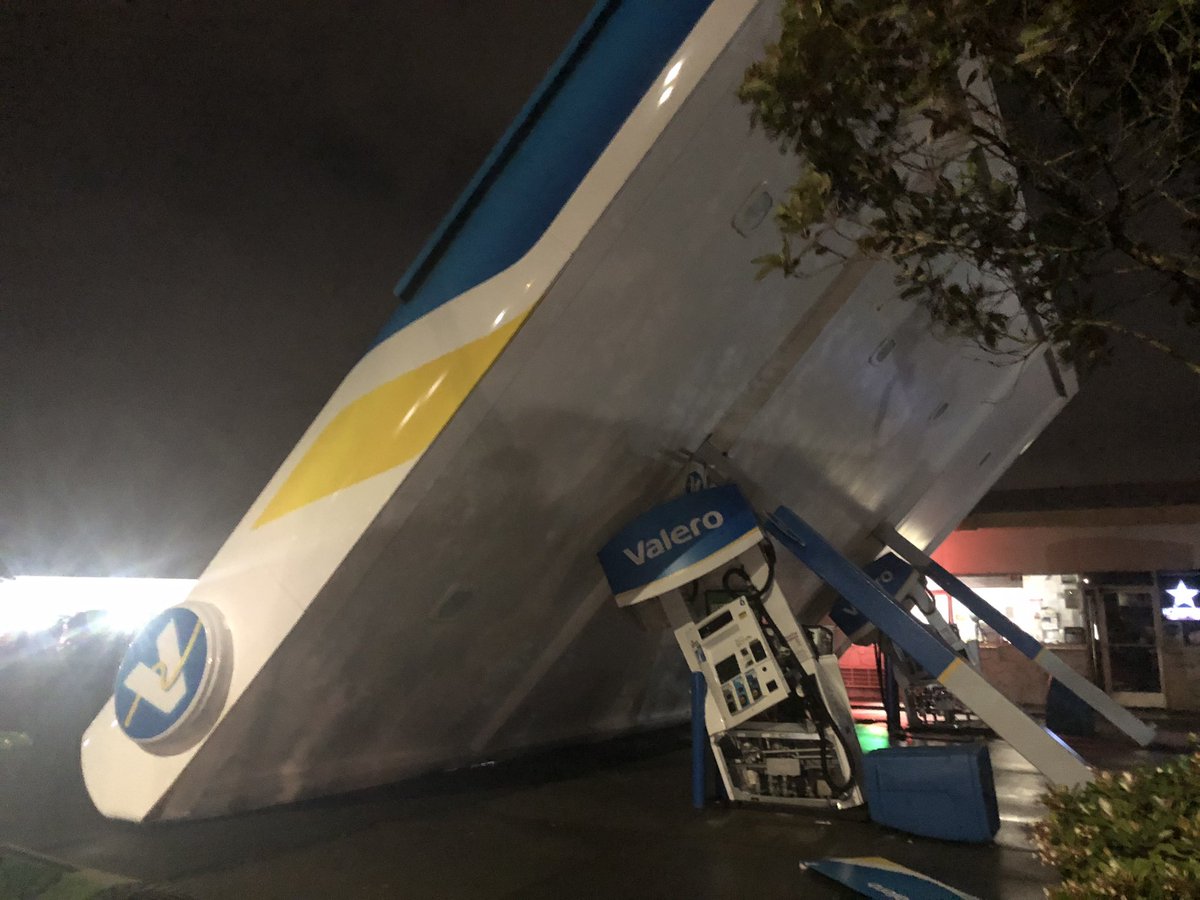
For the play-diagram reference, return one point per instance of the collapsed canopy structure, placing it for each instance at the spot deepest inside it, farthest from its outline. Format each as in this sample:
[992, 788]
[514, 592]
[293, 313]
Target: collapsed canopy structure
[417, 587]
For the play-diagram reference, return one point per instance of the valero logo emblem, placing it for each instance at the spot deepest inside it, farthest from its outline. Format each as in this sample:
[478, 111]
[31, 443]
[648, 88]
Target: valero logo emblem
[679, 534]
[167, 673]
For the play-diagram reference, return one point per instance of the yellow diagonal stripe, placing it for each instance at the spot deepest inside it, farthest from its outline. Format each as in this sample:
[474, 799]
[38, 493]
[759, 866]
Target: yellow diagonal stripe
[945, 674]
[388, 426]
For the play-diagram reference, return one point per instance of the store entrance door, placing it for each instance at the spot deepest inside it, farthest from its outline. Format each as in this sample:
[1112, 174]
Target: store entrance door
[1130, 629]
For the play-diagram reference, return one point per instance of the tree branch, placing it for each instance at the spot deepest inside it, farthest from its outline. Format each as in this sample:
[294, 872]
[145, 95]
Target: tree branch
[1148, 340]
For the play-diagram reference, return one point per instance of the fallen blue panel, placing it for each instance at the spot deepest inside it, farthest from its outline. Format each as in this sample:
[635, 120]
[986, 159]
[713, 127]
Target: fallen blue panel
[875, 876]
[944, 792]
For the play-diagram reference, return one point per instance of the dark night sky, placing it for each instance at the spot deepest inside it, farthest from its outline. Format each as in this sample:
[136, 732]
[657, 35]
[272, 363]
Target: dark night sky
[203, 209]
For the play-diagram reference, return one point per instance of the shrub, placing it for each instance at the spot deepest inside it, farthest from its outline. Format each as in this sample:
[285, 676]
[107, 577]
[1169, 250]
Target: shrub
[1134, 834]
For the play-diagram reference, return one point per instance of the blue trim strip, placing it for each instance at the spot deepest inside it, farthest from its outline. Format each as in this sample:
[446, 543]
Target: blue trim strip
[497, 154]
[590, 91]
[807, 545]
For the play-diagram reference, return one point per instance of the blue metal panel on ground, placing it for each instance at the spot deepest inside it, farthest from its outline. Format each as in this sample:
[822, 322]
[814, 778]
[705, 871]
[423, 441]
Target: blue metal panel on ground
[875, 876]
[940, 792]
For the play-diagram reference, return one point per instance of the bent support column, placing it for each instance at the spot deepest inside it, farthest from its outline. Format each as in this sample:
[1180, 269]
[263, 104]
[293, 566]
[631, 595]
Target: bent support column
[1030, 646]
[1049, 755]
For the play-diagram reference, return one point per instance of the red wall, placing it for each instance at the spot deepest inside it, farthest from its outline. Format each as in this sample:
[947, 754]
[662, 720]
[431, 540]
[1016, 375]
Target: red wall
[1071, 549]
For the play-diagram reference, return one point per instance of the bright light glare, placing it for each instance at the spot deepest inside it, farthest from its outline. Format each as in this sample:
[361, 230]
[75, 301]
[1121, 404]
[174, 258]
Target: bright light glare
[673, 73]
[666, 95]
[436, 384]
[33, 603]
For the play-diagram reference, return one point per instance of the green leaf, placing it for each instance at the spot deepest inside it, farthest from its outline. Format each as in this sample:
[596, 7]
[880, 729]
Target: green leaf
[767, 264]
[843, 84]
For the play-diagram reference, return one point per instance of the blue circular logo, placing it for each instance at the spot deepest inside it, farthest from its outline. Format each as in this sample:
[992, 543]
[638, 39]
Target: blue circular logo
[165, 675]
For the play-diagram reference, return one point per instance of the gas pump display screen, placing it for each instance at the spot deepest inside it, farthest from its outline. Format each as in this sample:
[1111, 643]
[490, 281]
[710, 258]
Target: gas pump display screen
[716, 624]
[728, 668]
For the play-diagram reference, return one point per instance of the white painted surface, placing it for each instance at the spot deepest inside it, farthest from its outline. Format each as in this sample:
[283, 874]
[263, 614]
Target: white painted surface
[1044, 750]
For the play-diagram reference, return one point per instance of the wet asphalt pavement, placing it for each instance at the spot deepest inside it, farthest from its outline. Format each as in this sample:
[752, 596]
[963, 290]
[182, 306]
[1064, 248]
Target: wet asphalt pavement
[605, 820]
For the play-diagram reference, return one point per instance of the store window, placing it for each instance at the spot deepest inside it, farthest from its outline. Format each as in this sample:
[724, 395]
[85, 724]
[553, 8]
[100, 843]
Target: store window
[1049, 607]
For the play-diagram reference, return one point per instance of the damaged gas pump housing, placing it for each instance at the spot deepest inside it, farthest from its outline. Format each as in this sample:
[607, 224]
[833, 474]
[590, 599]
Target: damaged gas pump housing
[777, 713]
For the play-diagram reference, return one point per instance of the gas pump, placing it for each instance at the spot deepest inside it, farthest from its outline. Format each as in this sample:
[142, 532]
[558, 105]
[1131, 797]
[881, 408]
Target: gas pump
[777, 714]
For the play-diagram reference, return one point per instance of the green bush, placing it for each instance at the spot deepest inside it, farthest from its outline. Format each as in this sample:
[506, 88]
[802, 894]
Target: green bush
[1134, 834]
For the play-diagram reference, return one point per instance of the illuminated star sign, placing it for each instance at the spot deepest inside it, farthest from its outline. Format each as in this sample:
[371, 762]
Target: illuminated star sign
[1184, 603]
